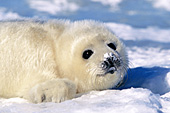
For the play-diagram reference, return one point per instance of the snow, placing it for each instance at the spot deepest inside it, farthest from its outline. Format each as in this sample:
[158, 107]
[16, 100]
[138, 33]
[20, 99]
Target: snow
[147, 84]
[155, 56]
[149, 33]
[135, 100]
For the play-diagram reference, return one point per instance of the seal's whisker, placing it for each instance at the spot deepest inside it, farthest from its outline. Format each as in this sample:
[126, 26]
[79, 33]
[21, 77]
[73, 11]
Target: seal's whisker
[95, 70]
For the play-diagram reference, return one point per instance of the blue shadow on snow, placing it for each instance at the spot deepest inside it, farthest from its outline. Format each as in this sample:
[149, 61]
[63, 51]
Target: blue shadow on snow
[154, 78]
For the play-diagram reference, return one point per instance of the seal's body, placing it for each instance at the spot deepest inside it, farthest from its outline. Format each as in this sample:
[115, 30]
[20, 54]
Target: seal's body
[54, 60]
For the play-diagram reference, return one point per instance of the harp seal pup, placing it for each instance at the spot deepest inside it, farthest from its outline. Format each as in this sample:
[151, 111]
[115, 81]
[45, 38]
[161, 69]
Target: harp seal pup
[53, 61]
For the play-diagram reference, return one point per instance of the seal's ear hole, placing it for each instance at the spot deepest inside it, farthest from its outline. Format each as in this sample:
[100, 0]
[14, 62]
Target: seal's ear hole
[87, 54]
[112, 46]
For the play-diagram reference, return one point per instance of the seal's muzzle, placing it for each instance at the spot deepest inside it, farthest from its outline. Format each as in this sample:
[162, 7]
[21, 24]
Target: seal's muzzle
[111, 63]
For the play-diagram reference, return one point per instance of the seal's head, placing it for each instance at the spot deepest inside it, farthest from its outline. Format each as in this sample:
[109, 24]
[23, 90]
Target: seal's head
[92, 56]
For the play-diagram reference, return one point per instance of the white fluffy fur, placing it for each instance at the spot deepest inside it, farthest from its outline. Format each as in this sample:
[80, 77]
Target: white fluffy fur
[42, 61]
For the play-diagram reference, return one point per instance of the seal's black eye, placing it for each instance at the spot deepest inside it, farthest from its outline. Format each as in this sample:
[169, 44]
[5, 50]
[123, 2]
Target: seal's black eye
[87, 54]
[111, 45]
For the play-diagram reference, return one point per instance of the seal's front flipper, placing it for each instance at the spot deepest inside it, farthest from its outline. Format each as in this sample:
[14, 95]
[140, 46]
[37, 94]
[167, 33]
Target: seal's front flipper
[56, 90]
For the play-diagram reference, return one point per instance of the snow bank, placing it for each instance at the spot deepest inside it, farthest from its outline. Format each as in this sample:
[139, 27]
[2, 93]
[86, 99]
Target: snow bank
[156, 79]
[133, 100]
[148, 57]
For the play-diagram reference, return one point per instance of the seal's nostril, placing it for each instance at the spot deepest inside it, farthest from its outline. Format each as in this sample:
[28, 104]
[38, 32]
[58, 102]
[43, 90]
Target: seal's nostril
[111, 70]
[105, 64]
[111, 63]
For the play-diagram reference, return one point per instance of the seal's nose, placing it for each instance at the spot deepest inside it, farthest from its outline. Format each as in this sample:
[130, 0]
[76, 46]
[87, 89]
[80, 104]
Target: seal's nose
[110, 63]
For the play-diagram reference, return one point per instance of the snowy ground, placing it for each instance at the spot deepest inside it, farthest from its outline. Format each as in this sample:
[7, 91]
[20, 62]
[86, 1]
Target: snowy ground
[144, 27]
[133, 100]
